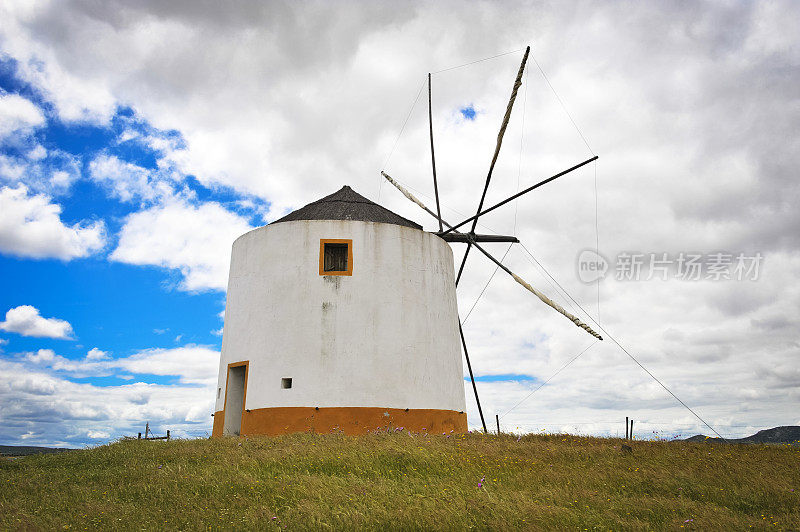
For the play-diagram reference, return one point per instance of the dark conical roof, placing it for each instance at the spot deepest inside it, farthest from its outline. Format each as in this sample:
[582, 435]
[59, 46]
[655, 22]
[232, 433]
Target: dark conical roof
[346, 204]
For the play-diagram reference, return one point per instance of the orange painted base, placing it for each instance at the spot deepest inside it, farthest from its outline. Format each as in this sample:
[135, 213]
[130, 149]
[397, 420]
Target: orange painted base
[350, 420]
[219, 421]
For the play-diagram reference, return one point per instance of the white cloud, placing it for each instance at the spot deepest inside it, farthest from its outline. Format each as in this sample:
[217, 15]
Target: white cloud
[128, 134]
[18, 115]
[31, 226]
[27, 321]
[95, 354]
[193, 364]
[11, 168]
[696, 131]
[38, 396]
[41, 170]
[47, 358]
[194, 240]
[37, 153]
[42, 356]
[49, 409]
[77, 98]
[128, 181]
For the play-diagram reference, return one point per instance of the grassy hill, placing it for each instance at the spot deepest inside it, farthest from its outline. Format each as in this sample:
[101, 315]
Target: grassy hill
[396, 480]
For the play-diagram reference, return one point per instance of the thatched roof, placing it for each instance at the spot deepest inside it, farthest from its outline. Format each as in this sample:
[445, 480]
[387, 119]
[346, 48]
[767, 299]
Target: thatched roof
[346, 204]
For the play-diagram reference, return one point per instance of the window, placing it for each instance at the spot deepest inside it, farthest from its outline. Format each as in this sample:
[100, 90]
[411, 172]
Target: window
[286, 383]
[336, 257]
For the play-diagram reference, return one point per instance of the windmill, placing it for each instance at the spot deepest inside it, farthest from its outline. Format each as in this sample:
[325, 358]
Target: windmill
[451, 233]
[327, 327]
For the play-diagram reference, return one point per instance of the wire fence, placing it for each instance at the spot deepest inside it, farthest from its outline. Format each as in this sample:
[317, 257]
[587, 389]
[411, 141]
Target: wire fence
[643, 430]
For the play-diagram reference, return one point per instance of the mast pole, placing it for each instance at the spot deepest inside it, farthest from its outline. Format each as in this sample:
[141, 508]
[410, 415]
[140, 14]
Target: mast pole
[518, 194]
[433, 157]
[471, 376]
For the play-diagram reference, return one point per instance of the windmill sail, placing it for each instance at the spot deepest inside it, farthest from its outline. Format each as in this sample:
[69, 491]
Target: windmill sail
[546, 300]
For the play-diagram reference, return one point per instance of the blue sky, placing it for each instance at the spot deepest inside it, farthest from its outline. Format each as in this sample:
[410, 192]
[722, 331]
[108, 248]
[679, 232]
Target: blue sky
[468, 112]
[136, 303]
[140, 306]
[116, 307]
[138, 140]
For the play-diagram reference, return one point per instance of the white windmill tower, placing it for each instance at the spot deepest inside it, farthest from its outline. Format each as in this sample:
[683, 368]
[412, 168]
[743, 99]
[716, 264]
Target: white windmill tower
[343, 315]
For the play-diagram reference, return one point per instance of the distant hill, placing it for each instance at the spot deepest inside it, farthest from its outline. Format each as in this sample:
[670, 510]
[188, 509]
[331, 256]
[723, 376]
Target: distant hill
[22, 450]
[788, 434]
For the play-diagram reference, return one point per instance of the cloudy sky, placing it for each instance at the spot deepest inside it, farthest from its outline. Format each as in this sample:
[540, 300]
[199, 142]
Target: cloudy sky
[138, 140]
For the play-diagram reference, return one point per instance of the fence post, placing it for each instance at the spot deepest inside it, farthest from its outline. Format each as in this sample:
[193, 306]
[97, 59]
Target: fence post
[140, 435]
[626, 427]
[631, 429]
[497, 418]
[167, 435]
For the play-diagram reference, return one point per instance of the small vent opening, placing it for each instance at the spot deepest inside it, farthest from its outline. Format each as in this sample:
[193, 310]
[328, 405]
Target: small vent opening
[286, 383]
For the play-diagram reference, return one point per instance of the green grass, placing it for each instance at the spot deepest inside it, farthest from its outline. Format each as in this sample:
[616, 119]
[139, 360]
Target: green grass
[380, 481]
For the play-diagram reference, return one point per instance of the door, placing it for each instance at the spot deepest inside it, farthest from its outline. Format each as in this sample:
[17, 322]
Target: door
[234, 399]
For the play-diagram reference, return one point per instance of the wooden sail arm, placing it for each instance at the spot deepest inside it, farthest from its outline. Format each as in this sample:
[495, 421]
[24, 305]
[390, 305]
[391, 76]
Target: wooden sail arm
[502, 132]
[455, 236]
[411, 197]
[546, 300]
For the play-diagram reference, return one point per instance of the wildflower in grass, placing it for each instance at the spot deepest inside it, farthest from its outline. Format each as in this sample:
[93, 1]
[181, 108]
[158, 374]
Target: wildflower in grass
[689, 521]
[480, 482]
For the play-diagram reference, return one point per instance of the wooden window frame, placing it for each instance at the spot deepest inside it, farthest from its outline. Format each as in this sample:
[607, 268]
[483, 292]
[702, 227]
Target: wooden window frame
[349, 242]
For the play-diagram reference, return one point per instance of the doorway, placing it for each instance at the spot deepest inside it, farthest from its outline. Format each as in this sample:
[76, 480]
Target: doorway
[234, 398]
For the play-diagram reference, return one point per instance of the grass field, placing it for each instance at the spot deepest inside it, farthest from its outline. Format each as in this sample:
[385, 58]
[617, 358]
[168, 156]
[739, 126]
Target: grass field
[397, 480]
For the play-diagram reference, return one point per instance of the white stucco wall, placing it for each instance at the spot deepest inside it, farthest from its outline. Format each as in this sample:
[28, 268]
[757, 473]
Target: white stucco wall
[387, 336]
